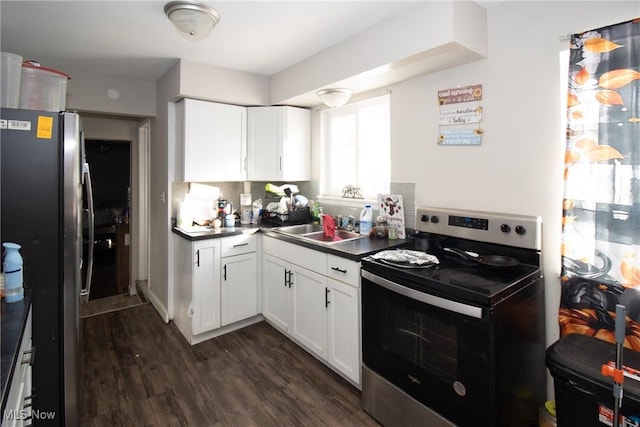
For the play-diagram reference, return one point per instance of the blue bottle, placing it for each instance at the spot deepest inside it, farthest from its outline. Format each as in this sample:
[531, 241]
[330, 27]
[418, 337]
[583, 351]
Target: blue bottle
[12, 267]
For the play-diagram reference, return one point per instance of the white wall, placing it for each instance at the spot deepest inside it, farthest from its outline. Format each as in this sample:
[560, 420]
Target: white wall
[106, 127]
[207, 82]
[158, 289]
[519, 166]
[87, 92]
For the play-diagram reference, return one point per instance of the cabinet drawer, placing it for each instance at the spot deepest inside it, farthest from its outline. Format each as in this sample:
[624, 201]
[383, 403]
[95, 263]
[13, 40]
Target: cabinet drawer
[237, 245]
[344, 270]
[308, 258]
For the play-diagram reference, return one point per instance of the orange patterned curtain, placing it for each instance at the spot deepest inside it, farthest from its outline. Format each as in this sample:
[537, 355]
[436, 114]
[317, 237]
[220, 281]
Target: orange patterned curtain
[601, 206]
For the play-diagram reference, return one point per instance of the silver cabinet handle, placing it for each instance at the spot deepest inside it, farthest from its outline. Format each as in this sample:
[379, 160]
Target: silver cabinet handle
[240, 244]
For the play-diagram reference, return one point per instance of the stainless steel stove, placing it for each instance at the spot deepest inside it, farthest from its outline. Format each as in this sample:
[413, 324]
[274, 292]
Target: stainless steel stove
[457, 342]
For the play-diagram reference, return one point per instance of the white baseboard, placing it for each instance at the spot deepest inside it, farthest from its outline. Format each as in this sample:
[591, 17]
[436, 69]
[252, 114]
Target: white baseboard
[156, 303]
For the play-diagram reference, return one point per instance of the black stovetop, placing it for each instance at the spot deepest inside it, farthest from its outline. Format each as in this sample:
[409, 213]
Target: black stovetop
[464, 280]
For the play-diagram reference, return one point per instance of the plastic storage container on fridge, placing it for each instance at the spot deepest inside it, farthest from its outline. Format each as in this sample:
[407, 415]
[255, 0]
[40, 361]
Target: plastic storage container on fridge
[42, 88]
[584, 397]
[10, 75]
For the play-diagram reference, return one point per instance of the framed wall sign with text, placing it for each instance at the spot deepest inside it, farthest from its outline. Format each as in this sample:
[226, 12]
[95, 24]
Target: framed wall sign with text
[460, 119]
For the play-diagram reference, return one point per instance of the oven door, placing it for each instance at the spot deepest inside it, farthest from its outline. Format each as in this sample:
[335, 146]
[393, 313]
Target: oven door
[436, 350]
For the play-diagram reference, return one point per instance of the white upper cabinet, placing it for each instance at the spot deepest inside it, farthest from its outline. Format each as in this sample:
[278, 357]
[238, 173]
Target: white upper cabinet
[279, 144]
[211, 141]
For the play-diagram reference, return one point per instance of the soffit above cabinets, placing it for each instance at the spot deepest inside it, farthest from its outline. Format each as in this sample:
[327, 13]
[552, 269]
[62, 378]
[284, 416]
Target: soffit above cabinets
[431, 37]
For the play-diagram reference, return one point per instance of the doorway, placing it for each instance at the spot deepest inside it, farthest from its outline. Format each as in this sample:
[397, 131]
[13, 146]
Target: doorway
[110, 165]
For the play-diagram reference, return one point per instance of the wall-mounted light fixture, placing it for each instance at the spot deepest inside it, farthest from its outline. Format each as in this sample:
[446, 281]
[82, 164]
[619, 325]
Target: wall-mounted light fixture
[194, 19]
[335, 97]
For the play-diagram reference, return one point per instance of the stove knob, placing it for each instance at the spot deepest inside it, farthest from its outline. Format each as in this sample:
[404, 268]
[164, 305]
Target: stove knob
[434, 219]
[424, 218]
[520, 230]
[505, 228]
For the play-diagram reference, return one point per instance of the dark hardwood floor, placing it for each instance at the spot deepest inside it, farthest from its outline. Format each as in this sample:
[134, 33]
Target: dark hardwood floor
[139, 371]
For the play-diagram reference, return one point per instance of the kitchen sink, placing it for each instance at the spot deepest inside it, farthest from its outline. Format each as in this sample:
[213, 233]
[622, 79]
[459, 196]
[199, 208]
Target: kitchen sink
[341, 236]
[315, 233]
[298, 230]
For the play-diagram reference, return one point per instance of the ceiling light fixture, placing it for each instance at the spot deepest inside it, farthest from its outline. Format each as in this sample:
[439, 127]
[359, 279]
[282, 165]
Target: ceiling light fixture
[195, 20]
[335, 97]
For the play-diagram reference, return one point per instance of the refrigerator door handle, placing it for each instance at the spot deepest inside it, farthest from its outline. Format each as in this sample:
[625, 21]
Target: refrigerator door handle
[86, 175]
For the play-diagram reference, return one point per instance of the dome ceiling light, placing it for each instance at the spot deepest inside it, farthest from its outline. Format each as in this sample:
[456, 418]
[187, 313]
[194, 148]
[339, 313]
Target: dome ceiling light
[195, 20]
[335, 97]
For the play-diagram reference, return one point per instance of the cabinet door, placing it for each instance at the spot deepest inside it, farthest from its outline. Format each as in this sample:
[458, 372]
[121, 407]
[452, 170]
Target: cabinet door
[206, 286]
[264, 143]
[344, 329]
[296, 148]
[215, 141]
[309, 312]
[279, 144]
[276, 291]
[239, 288]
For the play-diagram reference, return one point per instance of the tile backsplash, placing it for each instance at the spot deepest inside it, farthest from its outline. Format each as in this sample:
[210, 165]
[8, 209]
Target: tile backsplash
[232, 190]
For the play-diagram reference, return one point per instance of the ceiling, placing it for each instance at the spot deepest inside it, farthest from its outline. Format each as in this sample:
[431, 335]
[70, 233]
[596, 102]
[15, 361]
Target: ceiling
[136, 40]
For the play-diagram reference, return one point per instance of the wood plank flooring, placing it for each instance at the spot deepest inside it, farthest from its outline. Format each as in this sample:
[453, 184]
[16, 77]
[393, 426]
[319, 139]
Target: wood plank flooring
[113, 303]
[139, 371]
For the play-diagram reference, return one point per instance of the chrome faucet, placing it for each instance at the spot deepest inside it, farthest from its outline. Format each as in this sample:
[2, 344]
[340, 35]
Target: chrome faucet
[351, 225]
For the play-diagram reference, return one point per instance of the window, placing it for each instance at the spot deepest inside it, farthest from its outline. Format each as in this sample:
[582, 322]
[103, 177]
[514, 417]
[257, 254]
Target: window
[356, 148]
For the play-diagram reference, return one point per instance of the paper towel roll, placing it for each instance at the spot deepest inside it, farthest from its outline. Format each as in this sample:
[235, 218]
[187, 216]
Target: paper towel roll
[245, 199]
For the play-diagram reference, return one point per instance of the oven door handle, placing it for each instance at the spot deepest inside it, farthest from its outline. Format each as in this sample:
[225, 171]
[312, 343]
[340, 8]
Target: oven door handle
[445, 304]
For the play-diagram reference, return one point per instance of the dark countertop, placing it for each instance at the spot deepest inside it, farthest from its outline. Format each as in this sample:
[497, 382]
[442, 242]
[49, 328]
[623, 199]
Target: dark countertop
[213, 233]
[13, 317]
[354, 249]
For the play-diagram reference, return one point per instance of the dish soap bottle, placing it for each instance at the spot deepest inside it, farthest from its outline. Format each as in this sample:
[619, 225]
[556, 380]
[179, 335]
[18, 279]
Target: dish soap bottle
[366, 219]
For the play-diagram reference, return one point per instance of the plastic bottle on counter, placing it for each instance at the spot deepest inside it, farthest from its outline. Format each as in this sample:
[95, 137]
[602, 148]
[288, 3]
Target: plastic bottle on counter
[366, 219]
[316, 211]
[245, 208]
[12, 266]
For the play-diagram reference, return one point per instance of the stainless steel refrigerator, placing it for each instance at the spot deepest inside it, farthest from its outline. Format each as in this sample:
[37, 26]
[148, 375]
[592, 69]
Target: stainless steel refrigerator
[41, 208]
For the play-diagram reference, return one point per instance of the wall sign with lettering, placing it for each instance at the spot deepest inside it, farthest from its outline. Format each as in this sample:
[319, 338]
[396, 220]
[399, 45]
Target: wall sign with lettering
[460, 121]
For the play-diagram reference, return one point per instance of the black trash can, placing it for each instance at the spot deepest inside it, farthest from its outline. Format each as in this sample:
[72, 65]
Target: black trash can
[584, 397]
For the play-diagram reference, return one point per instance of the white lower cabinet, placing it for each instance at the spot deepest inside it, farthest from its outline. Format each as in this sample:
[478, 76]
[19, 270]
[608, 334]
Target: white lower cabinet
[211, 290]
[276, 293]
[197, 286]
[308, 310]
[344, 329]
[316, 306]
[238, 288]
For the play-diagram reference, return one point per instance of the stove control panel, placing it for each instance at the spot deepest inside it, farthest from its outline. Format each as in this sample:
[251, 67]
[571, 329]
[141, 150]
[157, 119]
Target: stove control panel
[507, 229]
[468, 222]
